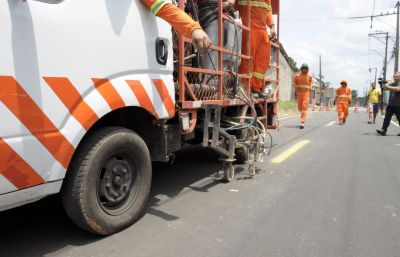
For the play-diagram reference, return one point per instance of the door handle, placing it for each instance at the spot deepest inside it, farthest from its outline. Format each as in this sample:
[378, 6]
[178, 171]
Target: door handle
[162, 51]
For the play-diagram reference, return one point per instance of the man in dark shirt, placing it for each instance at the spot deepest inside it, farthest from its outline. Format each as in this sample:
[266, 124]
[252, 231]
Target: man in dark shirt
[393, 105]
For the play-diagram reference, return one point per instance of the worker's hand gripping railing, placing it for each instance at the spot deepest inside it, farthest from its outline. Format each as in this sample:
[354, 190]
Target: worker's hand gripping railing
[210, 85]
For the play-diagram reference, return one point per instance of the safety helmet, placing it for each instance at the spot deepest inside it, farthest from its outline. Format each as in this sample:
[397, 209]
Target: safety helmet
[304, 66]
[344, 82]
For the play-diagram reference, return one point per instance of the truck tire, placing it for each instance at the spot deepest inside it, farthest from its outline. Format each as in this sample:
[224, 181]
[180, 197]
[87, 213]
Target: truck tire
[108, 183]
[242, 155]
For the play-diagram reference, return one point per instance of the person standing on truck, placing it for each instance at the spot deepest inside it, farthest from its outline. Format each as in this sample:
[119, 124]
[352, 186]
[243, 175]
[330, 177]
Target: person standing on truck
[180, 21]
[302, 83]
[260, 45]
[343, 100]
[393, 107]
[373, 103]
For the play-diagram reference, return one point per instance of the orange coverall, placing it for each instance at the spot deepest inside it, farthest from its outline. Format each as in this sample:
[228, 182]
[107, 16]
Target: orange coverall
[260, 45]
[343, 98]
[178, 19]
[302, 83]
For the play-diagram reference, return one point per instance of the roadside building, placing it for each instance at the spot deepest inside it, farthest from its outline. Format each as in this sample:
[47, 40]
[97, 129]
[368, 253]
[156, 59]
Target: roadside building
[327, 94]
[287, 73]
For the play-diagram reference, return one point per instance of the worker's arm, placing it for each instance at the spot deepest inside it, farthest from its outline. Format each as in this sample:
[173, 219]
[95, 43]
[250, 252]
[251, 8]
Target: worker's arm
[391, 88]
[294, 82]
[180, 21]
[367, 98]
[349, 96]
[271, 25]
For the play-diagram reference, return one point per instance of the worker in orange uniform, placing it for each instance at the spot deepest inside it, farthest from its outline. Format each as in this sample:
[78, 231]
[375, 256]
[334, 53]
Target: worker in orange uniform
[343, 99]
[302, 83]
[260, 45]
[180, 21]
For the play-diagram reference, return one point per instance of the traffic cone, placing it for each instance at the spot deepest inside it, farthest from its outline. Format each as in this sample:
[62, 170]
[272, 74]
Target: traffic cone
[328, 107]
[314, 106]
[356, 108]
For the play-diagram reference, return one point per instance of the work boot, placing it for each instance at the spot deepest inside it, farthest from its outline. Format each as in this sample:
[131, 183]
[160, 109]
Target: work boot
[254, 95]
[341, 123]
[262, 95]
[381, 132]
[344, 120]
[301, 125]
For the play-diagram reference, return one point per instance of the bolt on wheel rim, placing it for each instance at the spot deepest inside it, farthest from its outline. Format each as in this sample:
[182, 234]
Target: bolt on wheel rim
[117, 184]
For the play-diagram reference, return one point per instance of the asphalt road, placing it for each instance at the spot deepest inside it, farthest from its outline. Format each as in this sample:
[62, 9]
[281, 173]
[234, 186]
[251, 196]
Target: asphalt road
[337, 195]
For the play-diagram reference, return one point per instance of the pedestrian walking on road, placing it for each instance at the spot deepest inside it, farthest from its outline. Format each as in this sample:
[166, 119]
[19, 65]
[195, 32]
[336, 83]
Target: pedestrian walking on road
[302, 83]
[393, 107]
[343, 100]
[372, 102]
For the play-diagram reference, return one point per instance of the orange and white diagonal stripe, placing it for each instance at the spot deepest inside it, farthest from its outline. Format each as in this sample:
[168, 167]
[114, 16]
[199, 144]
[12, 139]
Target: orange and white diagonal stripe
[38, 139]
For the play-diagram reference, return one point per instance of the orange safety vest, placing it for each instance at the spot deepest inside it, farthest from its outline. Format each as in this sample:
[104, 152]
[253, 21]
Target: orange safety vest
[343, 95]
[261, 13]
[303, 83]
[178, 19]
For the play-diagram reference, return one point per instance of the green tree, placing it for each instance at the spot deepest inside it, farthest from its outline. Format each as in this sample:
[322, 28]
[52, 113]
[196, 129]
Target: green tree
[294, 64]
[354, 94]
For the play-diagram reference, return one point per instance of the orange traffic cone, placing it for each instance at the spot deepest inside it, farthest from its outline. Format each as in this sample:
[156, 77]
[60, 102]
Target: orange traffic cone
[356, 108]
[328, 107]
[314, 106]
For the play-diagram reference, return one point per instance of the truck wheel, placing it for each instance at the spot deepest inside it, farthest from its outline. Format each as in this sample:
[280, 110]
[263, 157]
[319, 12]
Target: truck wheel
[108, 182]
[229, 172]
[242, 155]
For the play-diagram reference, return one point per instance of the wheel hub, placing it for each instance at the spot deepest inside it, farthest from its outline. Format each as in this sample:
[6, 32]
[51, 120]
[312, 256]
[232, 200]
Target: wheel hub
[115, 182]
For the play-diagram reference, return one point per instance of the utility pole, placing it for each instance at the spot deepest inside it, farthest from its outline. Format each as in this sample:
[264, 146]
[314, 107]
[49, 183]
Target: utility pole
[386, 49]
[376, 71]
[384, 72]
[384, 63]
[386, 55]
[320, 80]
[396, 60]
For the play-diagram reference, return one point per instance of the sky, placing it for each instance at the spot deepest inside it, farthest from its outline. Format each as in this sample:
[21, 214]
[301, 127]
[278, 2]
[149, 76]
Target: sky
[308, 29]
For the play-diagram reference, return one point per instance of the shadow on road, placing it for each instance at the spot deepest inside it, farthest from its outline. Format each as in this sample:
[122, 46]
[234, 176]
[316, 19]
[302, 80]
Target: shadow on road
[291, 126]
[43, 227]
[377, 135]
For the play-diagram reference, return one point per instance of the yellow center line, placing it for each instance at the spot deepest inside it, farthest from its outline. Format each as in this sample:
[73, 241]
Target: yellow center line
[283, 156]
[330, 123]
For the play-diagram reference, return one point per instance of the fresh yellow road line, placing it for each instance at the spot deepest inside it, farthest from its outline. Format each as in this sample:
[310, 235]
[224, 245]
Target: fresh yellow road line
[330, 123]
[283, 156]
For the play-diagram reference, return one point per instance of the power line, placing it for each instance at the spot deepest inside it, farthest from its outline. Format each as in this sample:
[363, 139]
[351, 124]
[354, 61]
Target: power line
[387, 23]
[373, 8]
[342, 18]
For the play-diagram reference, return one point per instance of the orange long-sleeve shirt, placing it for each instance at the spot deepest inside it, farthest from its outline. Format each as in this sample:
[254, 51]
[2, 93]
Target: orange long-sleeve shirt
[302, 83]
[343, 95]
[261, 13]
[178, 19]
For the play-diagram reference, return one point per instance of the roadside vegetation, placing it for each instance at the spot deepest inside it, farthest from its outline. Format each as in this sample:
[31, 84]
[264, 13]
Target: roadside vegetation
[287, 108]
